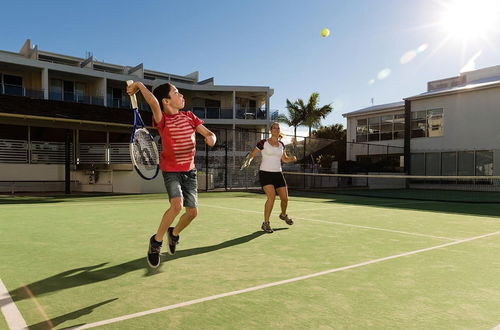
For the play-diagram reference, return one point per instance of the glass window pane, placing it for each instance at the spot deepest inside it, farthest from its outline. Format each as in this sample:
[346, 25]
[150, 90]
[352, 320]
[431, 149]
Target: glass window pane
[484, 162]
[418, 128]
[386, 127]
[417, 164]
[466, 163]
[399, 135]
[361, 129]
[374, 129]
[12, 80]
[449, 163]
[435, 122]
[361, 138]
[433, 163]
[55, 89]
[419, 114]
[399, 122]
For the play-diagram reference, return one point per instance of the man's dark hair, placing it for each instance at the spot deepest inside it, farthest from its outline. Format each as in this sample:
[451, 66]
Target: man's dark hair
[162, 92]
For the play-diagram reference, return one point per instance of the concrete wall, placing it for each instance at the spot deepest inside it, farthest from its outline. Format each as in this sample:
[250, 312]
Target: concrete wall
[109, 181]
[115, 181]
[470, 121]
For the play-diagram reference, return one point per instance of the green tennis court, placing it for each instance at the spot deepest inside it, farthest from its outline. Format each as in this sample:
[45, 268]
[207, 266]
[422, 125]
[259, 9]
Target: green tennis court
[347, 263]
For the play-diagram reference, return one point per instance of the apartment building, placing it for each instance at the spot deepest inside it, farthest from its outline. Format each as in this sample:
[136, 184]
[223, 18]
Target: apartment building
[53, 104]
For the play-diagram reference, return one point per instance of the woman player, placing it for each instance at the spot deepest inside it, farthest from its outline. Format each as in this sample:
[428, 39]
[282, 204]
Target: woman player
[271, 175]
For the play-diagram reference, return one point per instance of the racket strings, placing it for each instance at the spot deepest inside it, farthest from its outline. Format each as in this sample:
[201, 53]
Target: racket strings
[145, 151]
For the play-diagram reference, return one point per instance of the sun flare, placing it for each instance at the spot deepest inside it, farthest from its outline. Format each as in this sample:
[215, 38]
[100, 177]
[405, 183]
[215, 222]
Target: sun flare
[470, 18]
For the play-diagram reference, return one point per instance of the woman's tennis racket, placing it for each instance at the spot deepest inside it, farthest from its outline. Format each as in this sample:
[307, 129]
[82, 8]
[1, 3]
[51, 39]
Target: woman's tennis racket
[143, 150]
[247, 162]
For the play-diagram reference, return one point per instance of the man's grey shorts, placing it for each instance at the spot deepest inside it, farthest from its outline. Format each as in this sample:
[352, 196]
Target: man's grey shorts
[182, 184]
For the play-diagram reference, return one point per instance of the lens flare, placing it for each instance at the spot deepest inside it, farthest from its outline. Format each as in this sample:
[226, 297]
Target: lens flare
[384, 74]
[408, 57]
[422, 48]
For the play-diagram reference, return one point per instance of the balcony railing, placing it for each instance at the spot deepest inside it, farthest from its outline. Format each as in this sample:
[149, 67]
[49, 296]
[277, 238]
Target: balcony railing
[251, 113]
[227, 113]
[125, 103]
[21, 91]
[201, 112]
[76, 97]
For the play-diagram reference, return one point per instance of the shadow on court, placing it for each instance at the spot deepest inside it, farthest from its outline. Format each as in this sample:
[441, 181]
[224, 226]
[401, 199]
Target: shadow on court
[479, 208]
[50, 198]
[94, 274]
[52, 323]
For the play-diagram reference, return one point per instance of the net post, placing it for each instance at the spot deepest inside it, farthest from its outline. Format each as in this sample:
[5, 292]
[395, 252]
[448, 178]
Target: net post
[67, 162]
[206, 167]
[225, 162]
[304, 162]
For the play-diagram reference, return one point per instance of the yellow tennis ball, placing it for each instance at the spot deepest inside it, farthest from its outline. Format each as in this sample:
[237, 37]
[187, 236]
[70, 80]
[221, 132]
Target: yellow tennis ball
[325, 32]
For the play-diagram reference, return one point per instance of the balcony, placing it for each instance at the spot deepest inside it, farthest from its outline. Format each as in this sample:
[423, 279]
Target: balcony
[21, 91]
[124, 103]
[76, 97]
[227, 113]
[251, 113]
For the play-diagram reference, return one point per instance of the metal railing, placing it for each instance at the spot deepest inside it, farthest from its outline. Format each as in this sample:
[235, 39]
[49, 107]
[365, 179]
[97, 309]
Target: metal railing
[21, 91]
[124, 103]
[227, 113]
[76, 97]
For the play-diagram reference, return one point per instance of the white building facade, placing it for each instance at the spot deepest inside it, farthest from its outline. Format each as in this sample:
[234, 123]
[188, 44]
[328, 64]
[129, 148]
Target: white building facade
[449, 130]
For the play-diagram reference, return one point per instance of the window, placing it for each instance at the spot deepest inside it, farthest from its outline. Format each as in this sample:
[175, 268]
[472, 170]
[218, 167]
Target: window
[399, 126]
[435, 122]
[466, 163]
[361, 130]
[418, 164]
[433, 163]
[380, 128]
[418, 124]
[484, 162]
[55, 90]
[80, 92]
[69, 91]
[427, 123]
[386, 127]
[374, 129]
[13, 85]
[449, 163]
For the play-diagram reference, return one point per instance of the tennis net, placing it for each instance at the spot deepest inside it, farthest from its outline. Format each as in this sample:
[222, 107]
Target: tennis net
[477, 189]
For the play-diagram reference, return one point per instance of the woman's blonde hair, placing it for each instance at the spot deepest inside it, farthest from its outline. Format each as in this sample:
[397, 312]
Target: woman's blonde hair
[281, 135]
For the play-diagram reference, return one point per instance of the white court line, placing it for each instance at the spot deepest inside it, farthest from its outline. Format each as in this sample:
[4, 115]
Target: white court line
[381, 229]
[496, 328]
[268, 285]
[14, 319]
[362, 205]
[346, 224]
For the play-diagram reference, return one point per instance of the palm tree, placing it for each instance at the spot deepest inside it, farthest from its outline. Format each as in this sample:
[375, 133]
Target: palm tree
[295, 117]
[313, 113]
[334, 132]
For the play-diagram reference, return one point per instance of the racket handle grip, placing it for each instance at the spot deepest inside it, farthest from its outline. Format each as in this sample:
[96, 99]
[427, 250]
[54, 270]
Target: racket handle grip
[133, 98]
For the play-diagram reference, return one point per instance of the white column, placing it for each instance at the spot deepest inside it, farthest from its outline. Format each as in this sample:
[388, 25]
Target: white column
[234, 107]
[104, 89]
[45, 83]
[233, 170]
[268, 110]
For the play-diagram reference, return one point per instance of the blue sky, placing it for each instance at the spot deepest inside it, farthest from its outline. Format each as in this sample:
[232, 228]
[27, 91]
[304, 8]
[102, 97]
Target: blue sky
[273, 43]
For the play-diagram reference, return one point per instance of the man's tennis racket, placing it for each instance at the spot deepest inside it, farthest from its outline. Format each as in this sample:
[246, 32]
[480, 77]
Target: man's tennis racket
[247, 162]
[143, 150]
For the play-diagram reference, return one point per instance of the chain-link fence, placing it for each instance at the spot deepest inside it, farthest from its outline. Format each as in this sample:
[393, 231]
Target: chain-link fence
[219, 166]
